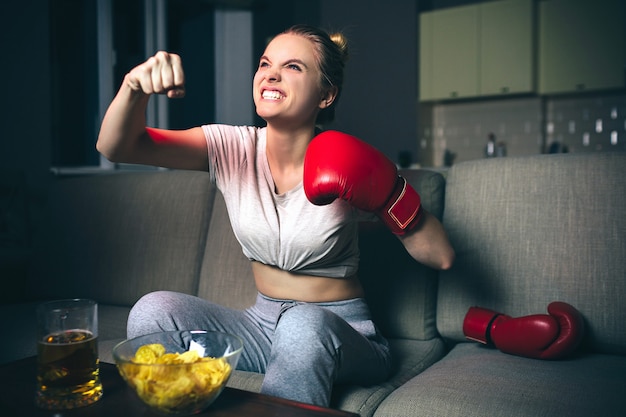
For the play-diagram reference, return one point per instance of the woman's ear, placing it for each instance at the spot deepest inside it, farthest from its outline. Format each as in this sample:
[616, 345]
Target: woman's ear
[328, 98]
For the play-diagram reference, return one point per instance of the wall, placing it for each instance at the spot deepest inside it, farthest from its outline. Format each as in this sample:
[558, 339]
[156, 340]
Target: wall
[25, 137]
[379, 103]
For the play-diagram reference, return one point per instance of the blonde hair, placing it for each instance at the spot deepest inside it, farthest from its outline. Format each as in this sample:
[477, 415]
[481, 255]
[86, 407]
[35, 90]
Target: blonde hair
[332, 55]
[342, 43]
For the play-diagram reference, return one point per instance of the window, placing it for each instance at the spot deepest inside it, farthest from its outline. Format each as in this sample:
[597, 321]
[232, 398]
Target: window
[95, 43]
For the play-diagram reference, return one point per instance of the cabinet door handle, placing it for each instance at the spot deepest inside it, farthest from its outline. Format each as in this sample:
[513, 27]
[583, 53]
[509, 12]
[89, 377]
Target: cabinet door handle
[504, 90]
[454, 94]
[580, 86]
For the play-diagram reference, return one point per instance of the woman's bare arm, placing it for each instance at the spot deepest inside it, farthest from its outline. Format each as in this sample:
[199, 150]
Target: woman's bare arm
[428, 243]
[124, 136]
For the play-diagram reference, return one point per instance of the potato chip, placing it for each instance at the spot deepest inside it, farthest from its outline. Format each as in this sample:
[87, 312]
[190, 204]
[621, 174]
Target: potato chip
[149, 353]
[190, 356]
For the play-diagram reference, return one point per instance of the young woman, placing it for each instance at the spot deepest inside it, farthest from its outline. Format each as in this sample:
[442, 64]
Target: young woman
[310, 326]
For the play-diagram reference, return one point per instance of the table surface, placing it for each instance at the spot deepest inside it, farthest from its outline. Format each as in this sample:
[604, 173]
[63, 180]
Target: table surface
[17, 397]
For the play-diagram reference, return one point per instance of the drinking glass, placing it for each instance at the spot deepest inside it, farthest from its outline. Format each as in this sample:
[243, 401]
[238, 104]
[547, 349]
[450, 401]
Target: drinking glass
[67, 354]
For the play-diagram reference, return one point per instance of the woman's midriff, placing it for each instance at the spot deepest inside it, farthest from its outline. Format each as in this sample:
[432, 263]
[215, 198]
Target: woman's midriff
[276, 283]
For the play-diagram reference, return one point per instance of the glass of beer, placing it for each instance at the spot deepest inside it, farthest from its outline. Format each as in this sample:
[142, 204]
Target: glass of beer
[67, 354]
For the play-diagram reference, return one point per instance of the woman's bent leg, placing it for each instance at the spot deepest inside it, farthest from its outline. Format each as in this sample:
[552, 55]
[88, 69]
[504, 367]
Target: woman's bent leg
[314, 348]
[303, 349]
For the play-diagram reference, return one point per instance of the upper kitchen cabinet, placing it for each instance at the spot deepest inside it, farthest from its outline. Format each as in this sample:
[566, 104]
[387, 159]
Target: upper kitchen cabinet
[425, 84]
[449, 53]
[481, 49]
[506, 47]
[581, 45]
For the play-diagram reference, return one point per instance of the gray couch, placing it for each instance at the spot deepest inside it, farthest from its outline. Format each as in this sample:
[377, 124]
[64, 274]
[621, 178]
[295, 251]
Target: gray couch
[527, 231]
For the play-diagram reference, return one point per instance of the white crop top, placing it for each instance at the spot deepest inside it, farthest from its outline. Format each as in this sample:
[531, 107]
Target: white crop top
[282, 230]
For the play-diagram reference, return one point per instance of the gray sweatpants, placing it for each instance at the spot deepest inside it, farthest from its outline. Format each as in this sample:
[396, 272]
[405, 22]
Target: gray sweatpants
[302, 348]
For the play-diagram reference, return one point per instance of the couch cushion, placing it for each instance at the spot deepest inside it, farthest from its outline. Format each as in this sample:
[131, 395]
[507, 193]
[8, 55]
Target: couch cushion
[531, 230]
[401, 292]
[111, 329]
[115, 237]
[226, 275]
[411, 358]
[473, 380]
[112, 322]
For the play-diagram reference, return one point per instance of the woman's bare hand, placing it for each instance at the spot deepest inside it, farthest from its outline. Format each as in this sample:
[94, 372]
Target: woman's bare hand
[159, 74]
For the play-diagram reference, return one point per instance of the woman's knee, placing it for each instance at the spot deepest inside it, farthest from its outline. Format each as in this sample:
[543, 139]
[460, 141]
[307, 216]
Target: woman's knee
[152, 313]
[308, 324]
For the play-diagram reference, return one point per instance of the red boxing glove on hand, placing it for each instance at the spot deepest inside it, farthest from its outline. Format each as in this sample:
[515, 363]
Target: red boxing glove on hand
[337, 165]
[539, 336]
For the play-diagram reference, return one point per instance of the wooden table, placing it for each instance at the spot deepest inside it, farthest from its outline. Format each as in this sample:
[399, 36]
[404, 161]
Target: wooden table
[17, 395]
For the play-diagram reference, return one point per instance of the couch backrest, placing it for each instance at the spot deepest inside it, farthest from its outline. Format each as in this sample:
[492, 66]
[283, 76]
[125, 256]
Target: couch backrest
[116, 237]
[531, 230]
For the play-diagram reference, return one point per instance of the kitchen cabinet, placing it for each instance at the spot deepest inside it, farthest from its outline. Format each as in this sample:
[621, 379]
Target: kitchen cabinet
[449, 54]
[507, 50]
[481, 49]
[425, 57]
[581, 45]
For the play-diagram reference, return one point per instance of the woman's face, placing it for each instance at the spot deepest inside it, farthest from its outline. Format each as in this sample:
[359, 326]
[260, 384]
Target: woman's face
[286, 85]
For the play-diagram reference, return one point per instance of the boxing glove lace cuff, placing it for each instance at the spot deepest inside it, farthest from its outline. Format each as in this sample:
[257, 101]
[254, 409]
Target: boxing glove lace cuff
[477, 324]
[404, 209]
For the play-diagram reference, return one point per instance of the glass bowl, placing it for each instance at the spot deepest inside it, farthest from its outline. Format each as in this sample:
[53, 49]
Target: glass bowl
[178, 373]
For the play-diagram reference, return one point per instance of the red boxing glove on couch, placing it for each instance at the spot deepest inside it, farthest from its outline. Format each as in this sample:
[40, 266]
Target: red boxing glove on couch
[540, 336]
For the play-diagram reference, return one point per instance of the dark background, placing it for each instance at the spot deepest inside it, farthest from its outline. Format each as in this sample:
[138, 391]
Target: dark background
[49, 110]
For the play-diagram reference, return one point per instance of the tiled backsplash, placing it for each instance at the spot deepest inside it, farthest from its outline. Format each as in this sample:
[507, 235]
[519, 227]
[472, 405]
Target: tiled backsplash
[525, 126]
[587, 124]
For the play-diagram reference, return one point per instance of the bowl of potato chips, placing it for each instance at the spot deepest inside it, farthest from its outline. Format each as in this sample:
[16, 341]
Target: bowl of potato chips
[178, 373]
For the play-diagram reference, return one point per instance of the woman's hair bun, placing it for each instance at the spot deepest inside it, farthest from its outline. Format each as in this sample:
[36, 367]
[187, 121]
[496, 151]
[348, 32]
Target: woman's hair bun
[342, 43]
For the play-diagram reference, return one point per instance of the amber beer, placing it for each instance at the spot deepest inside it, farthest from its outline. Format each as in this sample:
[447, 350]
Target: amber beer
[67, 355]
